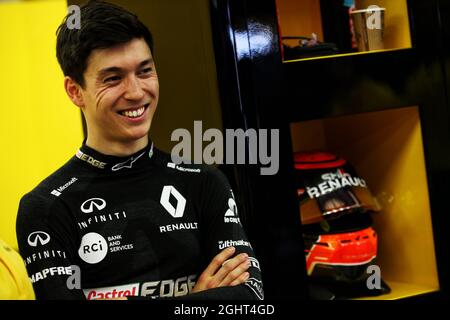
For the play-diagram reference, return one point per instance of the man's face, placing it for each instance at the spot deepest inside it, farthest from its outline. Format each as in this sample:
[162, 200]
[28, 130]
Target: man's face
[121, 92]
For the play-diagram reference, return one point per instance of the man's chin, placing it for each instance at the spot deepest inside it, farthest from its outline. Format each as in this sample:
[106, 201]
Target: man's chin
[137, 136]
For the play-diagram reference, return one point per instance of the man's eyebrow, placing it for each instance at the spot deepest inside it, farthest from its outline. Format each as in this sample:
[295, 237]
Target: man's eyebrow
[145, 62]
[118, 69]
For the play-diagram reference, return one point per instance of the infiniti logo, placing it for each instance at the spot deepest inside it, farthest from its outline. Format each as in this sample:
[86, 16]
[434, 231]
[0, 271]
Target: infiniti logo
[88, 205]
[38, 237]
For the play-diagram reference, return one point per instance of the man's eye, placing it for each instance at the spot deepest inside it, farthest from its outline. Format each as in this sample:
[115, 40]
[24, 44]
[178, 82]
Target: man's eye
[112, 79]
[146, 70]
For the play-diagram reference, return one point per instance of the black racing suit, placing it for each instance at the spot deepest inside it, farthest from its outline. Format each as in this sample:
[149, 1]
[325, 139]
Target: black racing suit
[105, 227]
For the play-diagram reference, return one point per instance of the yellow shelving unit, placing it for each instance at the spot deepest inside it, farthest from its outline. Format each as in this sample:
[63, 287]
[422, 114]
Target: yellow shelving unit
[303, 17]
[386, 148]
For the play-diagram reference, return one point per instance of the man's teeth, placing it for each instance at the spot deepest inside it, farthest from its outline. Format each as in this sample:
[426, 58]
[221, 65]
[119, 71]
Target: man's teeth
[134, 113]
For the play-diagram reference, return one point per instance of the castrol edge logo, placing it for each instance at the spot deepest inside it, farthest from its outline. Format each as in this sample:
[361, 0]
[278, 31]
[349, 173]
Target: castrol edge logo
[160, 288]
[92, 161]
[112, 292]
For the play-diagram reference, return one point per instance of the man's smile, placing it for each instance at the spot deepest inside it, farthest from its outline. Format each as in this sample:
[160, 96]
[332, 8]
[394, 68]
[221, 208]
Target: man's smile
[134, 113]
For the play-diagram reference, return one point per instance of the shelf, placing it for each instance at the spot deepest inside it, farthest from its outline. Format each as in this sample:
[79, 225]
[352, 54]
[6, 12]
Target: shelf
[402, 290]
[386, 148]
[331, 22]
[331, 99]
[334, 56]
[360, 83]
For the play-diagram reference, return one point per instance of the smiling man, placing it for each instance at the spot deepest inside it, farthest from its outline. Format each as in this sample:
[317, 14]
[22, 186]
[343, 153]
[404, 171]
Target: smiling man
[119, 219]
[119, 97]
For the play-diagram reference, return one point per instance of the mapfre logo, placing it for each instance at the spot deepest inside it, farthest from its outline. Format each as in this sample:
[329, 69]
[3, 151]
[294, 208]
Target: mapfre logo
[89, 205]
[38, 238]
[93, 248]
[178, 210]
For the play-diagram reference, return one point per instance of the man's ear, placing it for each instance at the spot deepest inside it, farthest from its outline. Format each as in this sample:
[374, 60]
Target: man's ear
[73, 90]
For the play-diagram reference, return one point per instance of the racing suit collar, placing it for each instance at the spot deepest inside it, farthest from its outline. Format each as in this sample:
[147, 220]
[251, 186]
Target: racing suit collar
[102, 161]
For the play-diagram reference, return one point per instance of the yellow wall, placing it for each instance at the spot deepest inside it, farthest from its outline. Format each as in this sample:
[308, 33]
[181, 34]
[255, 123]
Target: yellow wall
[39, 127]
[388, 151]
[300, 18]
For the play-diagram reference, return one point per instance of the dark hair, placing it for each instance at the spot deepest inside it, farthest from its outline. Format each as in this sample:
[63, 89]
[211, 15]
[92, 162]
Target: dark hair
[103, 25]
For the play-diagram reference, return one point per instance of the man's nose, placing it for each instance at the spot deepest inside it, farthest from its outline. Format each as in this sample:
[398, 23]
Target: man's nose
[133, 90]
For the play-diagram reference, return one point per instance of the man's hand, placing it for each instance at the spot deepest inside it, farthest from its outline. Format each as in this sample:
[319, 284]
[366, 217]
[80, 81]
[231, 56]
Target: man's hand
[223, 271]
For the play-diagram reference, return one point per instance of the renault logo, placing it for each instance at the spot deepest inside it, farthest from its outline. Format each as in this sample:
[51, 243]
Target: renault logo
[38, 238]
[88, 205]
[176, 212]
